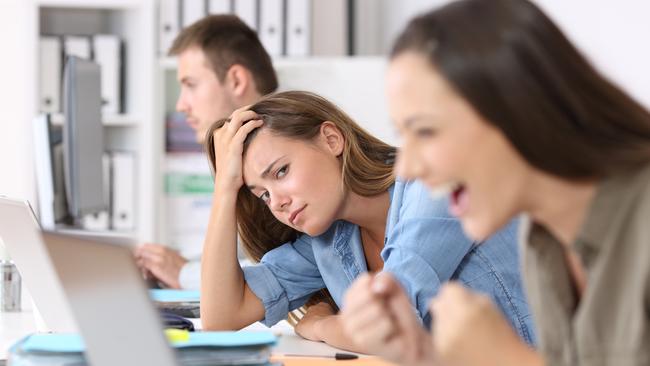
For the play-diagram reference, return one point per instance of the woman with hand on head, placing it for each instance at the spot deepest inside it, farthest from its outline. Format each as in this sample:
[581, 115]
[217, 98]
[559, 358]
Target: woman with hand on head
[492, 99]
[314, 200]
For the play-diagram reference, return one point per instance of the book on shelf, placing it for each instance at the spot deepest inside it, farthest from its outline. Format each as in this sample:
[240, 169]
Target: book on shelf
[179, 136]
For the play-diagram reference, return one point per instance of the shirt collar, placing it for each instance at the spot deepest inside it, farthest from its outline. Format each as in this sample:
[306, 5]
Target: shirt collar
[614, 197]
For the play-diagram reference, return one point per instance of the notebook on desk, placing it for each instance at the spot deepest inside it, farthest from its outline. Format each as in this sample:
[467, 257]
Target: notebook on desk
[185, 303]
[201, 348]
[175, 296]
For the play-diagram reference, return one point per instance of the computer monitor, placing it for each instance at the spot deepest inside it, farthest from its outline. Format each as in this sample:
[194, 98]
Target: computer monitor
[83, 138]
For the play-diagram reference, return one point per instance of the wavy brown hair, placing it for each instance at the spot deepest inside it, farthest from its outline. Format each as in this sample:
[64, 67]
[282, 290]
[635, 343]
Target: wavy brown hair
[518, 70]
[366, 164]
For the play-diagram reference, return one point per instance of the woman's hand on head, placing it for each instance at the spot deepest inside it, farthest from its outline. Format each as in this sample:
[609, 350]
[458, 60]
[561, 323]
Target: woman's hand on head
[229, 148]
[378, 316]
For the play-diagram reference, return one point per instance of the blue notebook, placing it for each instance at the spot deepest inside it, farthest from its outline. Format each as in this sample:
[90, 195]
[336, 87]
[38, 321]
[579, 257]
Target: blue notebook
[73, 343]
[167, 295]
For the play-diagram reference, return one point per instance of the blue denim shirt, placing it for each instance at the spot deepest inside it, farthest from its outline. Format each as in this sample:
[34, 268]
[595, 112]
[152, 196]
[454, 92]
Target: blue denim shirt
[424, 247]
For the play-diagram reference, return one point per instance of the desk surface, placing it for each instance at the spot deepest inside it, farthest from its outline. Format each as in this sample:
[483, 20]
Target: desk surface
[14, 326]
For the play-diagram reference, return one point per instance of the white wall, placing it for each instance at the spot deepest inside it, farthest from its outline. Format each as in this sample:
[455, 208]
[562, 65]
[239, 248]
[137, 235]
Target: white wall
[17, 103]
[356, 85]
[614, 35]
[397, 13]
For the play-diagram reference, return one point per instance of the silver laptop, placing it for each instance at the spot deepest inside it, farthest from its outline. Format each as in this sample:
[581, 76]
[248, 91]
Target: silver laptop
[118, 322]
[99, 280]
[19, 230]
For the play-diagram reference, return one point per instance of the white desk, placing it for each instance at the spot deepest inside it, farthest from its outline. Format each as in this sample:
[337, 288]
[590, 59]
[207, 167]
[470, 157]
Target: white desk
[14, 326]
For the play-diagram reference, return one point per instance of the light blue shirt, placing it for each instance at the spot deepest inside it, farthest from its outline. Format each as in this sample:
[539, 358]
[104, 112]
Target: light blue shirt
[424, 247]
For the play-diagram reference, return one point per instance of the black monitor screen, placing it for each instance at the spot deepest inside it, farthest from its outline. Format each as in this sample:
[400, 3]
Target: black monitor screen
[83, 138]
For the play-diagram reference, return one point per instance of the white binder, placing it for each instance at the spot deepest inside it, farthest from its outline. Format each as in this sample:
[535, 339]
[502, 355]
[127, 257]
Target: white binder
[298, 27]
[44, 171]
[168, 24]
[193, 10]
[100, 221]
[246, 10]
[96, 222]
[107, 55]
[77, 46]
[329, 28]
[50, 66]
[123, 191]
[219, 7]
[48, 156]
[271, 29]
[367, 28]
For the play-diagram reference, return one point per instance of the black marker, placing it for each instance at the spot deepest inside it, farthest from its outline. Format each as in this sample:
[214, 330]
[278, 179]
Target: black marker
[336, 356]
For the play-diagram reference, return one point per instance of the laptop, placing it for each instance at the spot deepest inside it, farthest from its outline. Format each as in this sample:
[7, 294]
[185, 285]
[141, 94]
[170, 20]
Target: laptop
[118, 321]
[94, 278]
[20, 232]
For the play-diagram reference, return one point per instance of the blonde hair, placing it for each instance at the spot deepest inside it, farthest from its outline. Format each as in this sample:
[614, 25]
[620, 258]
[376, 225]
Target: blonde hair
[366, 165]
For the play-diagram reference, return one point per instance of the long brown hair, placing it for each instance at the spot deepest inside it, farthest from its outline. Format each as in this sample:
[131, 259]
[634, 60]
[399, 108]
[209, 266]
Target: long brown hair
[366, 163]
[517, 69]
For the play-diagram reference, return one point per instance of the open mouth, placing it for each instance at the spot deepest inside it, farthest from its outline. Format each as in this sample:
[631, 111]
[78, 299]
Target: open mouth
[459, 200]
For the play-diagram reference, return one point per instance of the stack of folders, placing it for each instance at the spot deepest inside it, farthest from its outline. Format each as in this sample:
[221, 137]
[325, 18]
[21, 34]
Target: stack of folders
[119, 181]
[180, 302]
[294, 28]
[107, 50]
[202, 348]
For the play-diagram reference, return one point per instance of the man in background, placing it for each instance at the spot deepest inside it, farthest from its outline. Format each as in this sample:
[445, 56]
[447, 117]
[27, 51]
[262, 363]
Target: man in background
[222, 66]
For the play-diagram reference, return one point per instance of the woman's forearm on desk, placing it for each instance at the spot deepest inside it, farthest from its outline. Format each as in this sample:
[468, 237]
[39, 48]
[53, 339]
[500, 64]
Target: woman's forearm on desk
[331, 332]
[226, 302]
[322, 325]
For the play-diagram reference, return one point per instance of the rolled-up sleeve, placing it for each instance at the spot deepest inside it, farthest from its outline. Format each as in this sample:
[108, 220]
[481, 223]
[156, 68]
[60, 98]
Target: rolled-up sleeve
[424, 248]
[284, 279]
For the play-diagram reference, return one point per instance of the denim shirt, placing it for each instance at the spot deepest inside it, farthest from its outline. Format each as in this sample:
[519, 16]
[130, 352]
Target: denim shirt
[424, 247]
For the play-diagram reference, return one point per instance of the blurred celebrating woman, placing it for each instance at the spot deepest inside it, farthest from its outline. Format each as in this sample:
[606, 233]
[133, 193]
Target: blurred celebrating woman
[492, 100]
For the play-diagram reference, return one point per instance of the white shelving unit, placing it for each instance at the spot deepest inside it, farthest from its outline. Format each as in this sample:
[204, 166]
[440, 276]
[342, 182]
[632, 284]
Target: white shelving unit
[138, 129]
[151, 91]
[118, 120]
